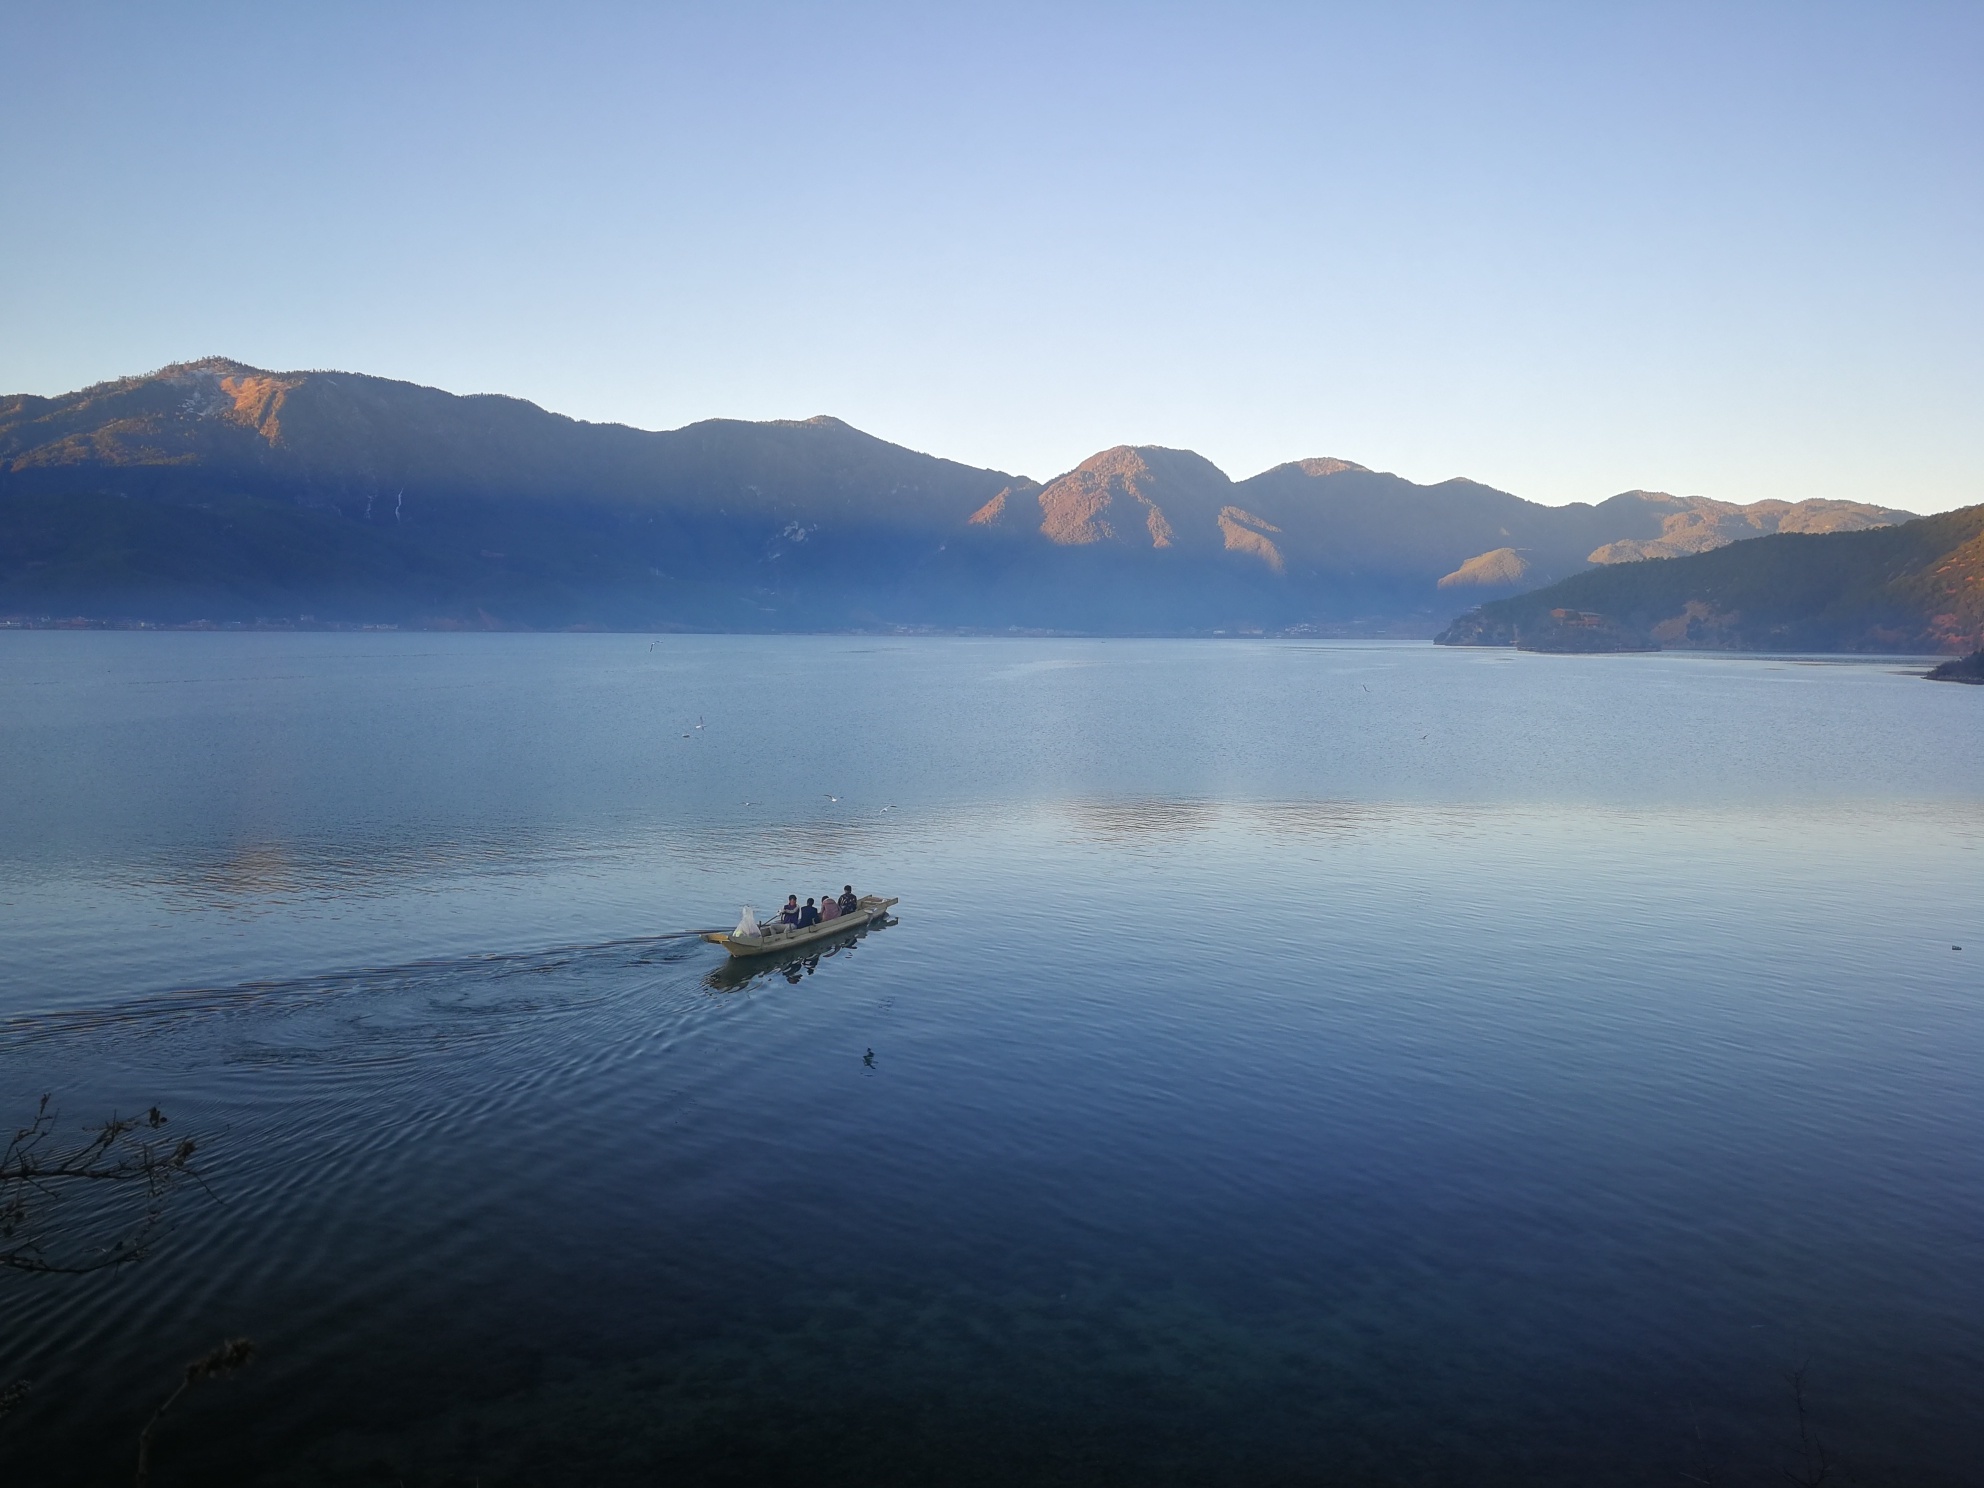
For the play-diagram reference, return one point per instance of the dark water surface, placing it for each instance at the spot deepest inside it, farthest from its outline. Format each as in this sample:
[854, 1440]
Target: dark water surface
[1293, 1063]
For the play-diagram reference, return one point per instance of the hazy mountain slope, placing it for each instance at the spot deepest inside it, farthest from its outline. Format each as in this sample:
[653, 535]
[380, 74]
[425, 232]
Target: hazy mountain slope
[505, 513]
[1348, 521]
[1349, 541]
[249, 494]
[1695, 524]
[1917, 587]
[339, 440]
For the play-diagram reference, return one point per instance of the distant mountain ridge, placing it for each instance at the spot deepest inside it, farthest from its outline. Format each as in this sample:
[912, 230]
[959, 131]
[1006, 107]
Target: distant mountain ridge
[1913, 588]
[213, 490]
[1695, 524]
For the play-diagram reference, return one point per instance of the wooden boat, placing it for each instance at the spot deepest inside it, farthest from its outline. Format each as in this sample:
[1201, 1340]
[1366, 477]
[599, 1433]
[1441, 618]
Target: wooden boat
[775, 938]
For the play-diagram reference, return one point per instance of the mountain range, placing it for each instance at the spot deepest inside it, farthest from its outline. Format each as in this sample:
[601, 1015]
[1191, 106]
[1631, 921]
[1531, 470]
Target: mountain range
[1914, 588]
[215, 492]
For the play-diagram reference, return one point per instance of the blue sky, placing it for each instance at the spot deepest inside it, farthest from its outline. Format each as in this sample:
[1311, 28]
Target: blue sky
[1725, 249]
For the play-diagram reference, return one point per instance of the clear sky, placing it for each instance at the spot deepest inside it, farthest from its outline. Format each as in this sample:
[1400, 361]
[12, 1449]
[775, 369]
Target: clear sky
[1722, 249]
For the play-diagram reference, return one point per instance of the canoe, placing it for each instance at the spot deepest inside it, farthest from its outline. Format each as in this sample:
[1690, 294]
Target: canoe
[775, 938]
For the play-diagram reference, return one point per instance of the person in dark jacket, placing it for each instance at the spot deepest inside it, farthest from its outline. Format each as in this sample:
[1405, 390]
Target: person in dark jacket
[790, 914]
[848, 903]
[809, 915]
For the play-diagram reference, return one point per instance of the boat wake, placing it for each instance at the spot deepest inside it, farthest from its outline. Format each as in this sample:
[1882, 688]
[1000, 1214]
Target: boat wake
[431, 975]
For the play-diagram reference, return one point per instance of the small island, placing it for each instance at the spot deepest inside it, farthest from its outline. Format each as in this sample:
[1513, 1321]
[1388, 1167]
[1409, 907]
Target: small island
[1960, 669]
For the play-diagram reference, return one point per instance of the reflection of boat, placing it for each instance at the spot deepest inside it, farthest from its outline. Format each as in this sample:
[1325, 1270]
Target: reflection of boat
[735, 972]
[772, 940]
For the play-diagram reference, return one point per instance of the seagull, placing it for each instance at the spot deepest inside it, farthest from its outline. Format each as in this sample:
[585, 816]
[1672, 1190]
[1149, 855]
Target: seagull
[699, 720]
[830, 796]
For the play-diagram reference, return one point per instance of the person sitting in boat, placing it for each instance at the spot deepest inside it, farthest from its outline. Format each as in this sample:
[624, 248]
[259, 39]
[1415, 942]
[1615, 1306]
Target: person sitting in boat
[809, 916]
[848, 903]
[790, 914]
[829, 908]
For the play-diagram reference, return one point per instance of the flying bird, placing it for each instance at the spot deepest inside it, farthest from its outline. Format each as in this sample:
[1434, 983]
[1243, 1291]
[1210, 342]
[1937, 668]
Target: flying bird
[830, 796]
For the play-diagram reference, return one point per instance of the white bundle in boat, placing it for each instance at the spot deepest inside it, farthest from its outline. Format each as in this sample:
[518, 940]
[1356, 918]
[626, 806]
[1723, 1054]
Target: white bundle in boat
[748, 925]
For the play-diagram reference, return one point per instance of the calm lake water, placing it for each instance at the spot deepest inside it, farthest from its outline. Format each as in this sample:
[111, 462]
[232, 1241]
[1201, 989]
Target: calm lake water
[1292, 1063]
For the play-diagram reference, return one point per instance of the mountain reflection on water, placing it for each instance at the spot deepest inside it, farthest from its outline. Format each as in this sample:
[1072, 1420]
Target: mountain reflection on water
[1292, 1062]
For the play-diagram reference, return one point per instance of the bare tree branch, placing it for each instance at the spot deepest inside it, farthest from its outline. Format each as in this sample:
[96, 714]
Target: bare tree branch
[38, 1170]
[1814, 1461]
[233, 1354]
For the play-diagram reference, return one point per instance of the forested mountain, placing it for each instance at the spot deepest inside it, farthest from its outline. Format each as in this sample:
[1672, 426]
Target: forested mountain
[213, 491]
[1917, 587]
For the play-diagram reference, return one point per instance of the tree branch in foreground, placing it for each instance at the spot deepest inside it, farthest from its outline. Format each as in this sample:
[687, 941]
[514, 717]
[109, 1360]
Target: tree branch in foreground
[38, 1170]
[235, 1353]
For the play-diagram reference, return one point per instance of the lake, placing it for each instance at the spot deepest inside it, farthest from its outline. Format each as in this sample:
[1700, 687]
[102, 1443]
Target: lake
[1292, 1062]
